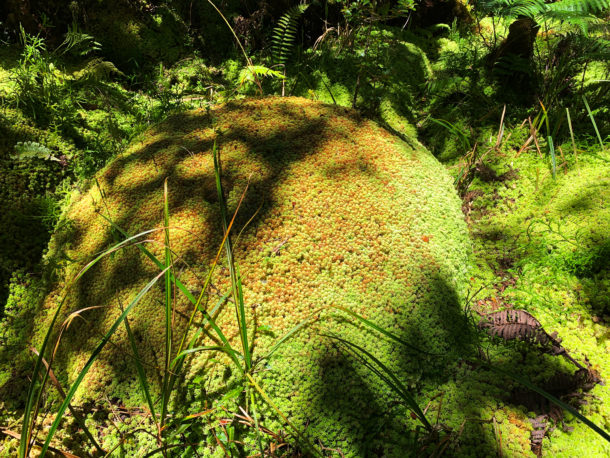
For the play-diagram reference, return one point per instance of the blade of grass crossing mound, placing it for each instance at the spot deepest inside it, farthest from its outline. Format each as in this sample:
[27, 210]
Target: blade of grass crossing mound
[141, 374]
[312, 449]
[195, 301]
[572, 135]
[599, 137]
[93, 357]
[35, 389]
[552, 399]
[179, 359]
[168, 306]
[190, 351]
[235, 281]
[553, 158]
[388, 377]
[384, 331]
[257, 427]
[242, 320]
[545, 119]
[289, 334]
[208, 317]
[79, 419]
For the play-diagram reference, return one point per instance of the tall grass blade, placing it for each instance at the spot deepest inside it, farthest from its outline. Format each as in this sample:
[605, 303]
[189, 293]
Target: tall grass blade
[572, 134]
[599, 137]
[79, 419]
[190, 351]
[387, 376]
[256, 425]
[553, 158]
[235, 280]
[242, 320]
[545, 119]
[196, 301]
[165, 394]
[179, 359]
[552, 399]
[235, 356]
[93, 357]
[141, 374]
[384, 331]
[286, 336]
[36, 388]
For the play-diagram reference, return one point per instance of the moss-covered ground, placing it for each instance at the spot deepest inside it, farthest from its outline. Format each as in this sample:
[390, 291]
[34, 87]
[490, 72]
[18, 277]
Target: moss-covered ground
[344, 212]
[540, 245]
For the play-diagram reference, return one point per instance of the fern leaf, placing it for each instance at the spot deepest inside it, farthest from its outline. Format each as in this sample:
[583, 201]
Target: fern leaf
[32, 150]
[249, 74]
[519, 325]
[579, 6]
[285, 32]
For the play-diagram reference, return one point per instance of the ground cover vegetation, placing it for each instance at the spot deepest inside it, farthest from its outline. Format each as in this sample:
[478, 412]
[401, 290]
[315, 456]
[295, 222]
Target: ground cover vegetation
[329, 228]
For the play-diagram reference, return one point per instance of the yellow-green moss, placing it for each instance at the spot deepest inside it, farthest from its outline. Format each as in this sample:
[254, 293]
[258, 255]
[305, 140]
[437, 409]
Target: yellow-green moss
[343, 214]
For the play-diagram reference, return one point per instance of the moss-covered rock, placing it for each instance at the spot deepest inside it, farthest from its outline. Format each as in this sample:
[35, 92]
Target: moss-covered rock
[338, 212]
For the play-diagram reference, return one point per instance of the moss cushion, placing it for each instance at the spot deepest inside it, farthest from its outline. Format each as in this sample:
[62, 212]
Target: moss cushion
[338, 212]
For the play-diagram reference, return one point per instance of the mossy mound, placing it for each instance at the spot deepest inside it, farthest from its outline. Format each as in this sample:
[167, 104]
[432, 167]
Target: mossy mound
[339, 212]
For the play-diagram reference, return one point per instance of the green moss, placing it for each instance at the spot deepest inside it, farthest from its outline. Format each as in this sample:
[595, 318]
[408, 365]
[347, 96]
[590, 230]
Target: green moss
[548, 240]
[350, 216]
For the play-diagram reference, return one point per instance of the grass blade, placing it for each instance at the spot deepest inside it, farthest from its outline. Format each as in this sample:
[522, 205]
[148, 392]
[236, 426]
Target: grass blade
[572, 135]
[35, 389]
[165, 394]
[388, 377]
[196, 301]
[235, 280]
[599, 137]
[286, 336]
[552, 399]
[75, 414]
[141, 373]
[384, 331]
[553, 158]
[189, 351]
[93, 357]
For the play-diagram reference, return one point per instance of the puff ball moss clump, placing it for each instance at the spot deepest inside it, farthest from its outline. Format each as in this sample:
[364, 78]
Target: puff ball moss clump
[339, 212]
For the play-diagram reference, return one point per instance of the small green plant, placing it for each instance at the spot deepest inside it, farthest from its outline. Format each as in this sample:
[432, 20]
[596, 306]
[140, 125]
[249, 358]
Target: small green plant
[33, 150]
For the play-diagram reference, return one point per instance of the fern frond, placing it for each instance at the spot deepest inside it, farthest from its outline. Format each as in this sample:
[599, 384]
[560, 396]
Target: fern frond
[78, 42]
[577, 13]
[564, 10]
[579, 6]
[249, 74]
[32, 150]
[285, 32]
[528, 8]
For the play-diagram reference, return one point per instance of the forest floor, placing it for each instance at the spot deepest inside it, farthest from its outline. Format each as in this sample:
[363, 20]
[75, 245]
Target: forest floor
[540, 229]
